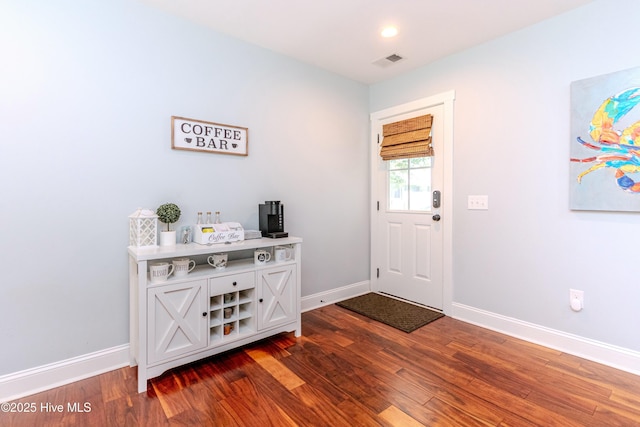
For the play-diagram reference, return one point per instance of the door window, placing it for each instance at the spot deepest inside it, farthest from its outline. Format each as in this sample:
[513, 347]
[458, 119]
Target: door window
[409, 184]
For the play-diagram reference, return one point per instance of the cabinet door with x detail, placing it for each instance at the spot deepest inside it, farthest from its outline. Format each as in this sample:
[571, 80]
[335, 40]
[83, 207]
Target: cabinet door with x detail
[177, 319]
[277, 296]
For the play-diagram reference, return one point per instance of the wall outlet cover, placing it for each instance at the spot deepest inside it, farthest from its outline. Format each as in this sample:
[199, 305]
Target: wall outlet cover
[478, 202]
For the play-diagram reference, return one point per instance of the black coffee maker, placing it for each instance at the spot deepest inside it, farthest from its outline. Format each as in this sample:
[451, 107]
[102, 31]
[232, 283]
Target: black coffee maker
[272, 219]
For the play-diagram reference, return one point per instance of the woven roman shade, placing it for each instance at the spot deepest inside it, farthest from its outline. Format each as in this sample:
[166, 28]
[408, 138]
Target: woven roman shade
[407, 138]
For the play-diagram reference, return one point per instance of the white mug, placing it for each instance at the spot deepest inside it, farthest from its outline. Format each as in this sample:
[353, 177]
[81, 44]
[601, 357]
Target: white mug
[160, 272]
[282, 254]
[182, 266]
[260, 256]
[218, 261]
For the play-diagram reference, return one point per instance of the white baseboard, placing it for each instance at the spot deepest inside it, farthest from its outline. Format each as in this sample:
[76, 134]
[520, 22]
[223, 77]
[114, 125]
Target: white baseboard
[334, 295]
[31, 381]
[606, 354]
[34, 380]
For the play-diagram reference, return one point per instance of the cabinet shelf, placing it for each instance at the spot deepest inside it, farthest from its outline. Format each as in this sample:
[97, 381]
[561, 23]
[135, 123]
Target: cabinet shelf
[214, 322]
[236, 309]
[194, 249]
[207, 271]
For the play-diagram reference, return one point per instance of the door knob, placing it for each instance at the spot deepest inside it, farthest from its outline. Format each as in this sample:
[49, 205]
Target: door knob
[436, 217]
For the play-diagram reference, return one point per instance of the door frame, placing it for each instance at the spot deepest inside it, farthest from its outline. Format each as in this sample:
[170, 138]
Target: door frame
[446, 99]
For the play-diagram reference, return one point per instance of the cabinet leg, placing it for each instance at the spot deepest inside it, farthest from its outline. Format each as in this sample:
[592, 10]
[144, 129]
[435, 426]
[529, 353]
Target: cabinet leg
[298, 331]
[142, 381]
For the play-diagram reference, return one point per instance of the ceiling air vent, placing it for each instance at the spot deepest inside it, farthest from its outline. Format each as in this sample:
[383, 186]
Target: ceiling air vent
[389, 60]
[394, 58]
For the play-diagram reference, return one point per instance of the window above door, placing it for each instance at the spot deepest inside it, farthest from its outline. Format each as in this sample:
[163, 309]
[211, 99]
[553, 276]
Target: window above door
[409, 184]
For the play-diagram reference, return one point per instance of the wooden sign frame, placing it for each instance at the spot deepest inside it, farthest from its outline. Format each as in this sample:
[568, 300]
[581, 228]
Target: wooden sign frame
[208, 137]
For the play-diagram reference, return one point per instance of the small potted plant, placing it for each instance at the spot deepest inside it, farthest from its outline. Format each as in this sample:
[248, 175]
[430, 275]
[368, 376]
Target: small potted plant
[168, 213]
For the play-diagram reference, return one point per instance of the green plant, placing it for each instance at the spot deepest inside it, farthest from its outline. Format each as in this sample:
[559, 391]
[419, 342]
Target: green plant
[168, 213]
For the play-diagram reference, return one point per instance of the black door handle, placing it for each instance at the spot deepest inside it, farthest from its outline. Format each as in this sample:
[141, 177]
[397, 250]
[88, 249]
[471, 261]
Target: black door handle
[436, 217]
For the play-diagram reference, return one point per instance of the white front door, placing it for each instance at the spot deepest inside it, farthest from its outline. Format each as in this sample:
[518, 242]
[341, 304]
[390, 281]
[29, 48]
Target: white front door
[407, 229]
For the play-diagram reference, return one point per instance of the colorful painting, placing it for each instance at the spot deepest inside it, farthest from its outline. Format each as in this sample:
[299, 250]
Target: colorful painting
[605, 142]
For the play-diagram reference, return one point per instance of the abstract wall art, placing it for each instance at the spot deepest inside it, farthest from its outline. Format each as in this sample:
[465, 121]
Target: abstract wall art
[605, 142]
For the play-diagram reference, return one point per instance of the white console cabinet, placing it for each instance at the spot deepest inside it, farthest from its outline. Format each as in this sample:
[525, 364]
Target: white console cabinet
[209, 311]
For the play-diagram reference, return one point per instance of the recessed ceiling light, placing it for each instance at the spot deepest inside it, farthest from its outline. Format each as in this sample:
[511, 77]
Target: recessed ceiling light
[389, 32]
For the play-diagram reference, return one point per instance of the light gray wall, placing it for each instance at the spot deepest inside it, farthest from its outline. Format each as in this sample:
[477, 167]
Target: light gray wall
[519, 258]
[87, 89]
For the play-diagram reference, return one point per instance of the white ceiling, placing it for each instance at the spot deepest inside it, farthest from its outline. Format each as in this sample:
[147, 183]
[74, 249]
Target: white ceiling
[343, 36]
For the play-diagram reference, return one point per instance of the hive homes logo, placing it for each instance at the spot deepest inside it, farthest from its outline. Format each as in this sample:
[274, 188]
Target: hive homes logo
[198, 135]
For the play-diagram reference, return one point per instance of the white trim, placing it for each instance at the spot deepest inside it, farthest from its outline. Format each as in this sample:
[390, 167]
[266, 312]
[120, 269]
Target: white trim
[334, 295]
[446, 99]
[606, 354]
[34, 380]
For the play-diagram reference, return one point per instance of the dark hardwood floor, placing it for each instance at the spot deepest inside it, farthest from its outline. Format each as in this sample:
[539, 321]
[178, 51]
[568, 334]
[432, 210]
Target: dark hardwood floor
[347, 370]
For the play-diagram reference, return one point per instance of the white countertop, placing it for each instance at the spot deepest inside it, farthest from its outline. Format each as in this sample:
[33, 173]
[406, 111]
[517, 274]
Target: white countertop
[190, 249]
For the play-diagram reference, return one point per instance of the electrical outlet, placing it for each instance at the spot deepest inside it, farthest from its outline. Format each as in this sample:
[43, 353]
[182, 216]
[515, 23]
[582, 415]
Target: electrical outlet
[576, 295]
[478, 202]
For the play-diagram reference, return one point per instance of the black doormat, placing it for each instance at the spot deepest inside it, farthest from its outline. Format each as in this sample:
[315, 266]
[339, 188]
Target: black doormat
[399, 314]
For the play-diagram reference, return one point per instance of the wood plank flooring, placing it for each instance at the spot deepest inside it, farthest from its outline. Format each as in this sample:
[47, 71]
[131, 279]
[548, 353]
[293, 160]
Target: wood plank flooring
[347, 370]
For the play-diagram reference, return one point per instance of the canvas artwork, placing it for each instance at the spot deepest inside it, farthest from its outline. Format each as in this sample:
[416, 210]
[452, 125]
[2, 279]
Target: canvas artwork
[605, 142]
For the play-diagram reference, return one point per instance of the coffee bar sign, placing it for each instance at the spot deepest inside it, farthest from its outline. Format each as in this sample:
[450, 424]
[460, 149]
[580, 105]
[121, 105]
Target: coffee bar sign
[198, 135]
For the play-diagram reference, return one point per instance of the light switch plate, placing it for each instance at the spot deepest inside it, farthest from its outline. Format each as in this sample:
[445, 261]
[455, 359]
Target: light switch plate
[480, 202]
